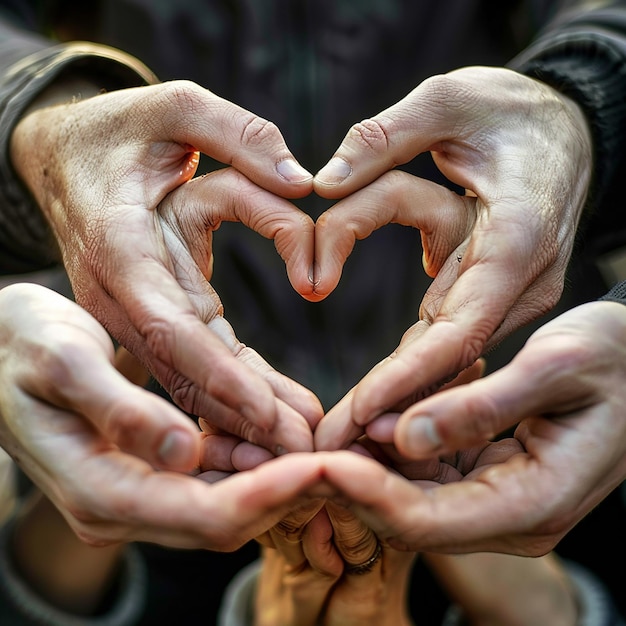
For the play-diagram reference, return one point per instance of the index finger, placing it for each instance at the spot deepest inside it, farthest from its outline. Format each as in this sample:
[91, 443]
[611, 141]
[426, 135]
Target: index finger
[425, 117]
[469, 306]
[181, 511]
[462, 517]
[443, 217]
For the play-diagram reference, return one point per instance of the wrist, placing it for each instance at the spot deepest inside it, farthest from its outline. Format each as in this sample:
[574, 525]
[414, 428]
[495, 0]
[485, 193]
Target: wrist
[26, 241]
[65, 89]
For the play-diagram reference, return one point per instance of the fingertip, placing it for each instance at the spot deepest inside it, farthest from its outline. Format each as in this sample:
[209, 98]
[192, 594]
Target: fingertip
[417, 437]
[305, 282]
[313, 288]
[292, 434]
[382, 428]
[364, 410]
[178, 450]
[430, 271]
[246, 456]
[310, 295]
[330, 436]
[324, 273]
[292, 171]
[299, 179]
[325, 280]
[190, 164]
[333, 174]
[310, 408]
[319, 285]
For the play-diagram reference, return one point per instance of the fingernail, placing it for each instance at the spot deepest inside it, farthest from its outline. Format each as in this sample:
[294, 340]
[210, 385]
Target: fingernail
[204, 425]
[292, 171]
[334, 172]
[422, 436]
[314, 271]
[175, 449]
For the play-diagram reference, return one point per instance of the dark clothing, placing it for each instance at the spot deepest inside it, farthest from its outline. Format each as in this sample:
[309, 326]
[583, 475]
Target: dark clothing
[315, 67]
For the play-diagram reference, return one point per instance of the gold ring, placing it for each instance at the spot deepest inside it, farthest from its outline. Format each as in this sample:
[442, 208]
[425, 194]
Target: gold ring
[366, 566]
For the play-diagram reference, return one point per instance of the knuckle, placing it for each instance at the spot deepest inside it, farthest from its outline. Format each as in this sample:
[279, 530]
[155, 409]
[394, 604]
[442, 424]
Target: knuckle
[298, 519]
[60, 359]
[183, 392]
[257, 131]
[56, 361]
[480, 421]
[125, 423]
[248, 431]
[440, 86]
[289, 528]
[354, 540]
[182, 93]
[160, 336]
[568, 354]
[370, 134]
[357, 550]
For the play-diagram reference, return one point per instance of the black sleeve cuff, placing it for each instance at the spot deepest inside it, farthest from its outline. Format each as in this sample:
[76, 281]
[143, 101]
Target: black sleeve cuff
[617, 293]
[26, 243]
[591, 70]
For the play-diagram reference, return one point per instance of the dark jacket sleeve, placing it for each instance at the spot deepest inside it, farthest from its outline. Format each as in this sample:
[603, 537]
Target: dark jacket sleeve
[617, 293]
[28, 63]
[582, 53]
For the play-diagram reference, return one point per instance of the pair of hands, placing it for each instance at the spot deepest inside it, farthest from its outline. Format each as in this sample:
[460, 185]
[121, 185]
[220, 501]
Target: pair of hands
[113, 176]
[87, 436]
[304, 579]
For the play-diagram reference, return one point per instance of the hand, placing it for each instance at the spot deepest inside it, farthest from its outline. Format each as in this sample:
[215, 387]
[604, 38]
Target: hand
[520, 495]
[100, 169]
[106, 452]
[307, 573]
[309, 557]
[498, 255]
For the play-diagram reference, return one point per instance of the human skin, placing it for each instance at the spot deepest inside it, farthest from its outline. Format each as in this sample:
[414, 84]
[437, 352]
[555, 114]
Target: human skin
[564, 394]
[526, 178]
[498, 255]
[304, 581]
[305, 576]
[100, 167]
[100, 447]
[521, 495]
[517, 262]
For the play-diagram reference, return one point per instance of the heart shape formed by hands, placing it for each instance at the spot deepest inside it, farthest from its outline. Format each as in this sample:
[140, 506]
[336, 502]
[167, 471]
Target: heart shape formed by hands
[493, 268]
[497, 255]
